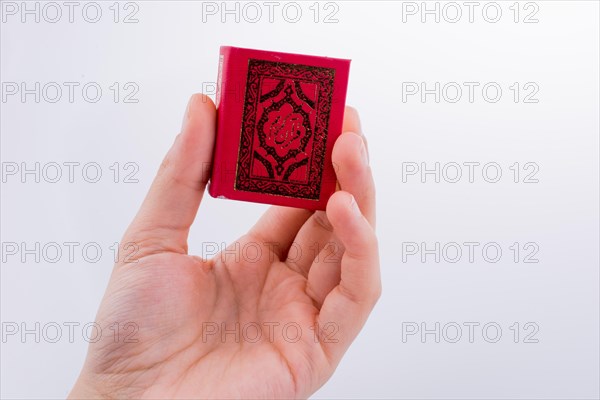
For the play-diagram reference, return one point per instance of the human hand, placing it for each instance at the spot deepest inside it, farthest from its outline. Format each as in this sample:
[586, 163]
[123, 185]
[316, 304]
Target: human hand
[177, 300]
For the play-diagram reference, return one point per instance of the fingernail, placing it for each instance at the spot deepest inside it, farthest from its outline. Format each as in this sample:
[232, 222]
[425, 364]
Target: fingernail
[357, 117]
[186, 114]
[364, 156]
[354, 206]
[366, 146]
[359, 123]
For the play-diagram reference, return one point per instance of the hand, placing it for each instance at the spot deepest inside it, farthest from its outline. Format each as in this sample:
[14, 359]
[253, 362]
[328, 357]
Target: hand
[215, 328]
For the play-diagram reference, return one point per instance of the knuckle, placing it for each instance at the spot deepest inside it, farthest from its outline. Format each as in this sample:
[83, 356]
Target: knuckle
[321, 220]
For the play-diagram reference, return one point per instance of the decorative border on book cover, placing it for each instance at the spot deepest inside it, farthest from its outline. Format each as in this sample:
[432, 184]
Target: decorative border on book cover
[284, 129]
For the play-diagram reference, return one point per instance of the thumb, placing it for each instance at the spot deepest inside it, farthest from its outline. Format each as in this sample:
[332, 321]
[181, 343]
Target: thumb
[162, 224]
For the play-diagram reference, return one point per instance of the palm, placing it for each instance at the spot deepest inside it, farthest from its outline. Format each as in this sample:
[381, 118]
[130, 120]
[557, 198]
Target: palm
[256, 323]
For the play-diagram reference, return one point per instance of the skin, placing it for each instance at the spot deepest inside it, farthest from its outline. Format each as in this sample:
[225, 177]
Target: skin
[179, 305]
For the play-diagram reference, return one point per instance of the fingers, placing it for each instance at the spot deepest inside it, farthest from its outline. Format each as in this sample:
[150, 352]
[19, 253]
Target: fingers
[316, 234]
[164, 219]
[351, 121]
[353, 172]
[324, 274]
[278, 227]
[348, 305]
[354, 176]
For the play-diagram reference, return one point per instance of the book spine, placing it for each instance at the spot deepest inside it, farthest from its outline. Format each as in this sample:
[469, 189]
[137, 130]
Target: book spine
[214, 188]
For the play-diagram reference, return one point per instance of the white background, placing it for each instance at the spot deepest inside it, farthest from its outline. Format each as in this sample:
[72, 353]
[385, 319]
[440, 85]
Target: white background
[172, 52]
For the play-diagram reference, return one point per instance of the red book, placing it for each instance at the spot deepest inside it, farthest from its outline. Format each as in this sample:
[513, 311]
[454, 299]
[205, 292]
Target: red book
[278, 116]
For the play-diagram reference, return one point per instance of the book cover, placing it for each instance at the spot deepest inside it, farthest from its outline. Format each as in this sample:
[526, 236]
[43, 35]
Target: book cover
[278, 116]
